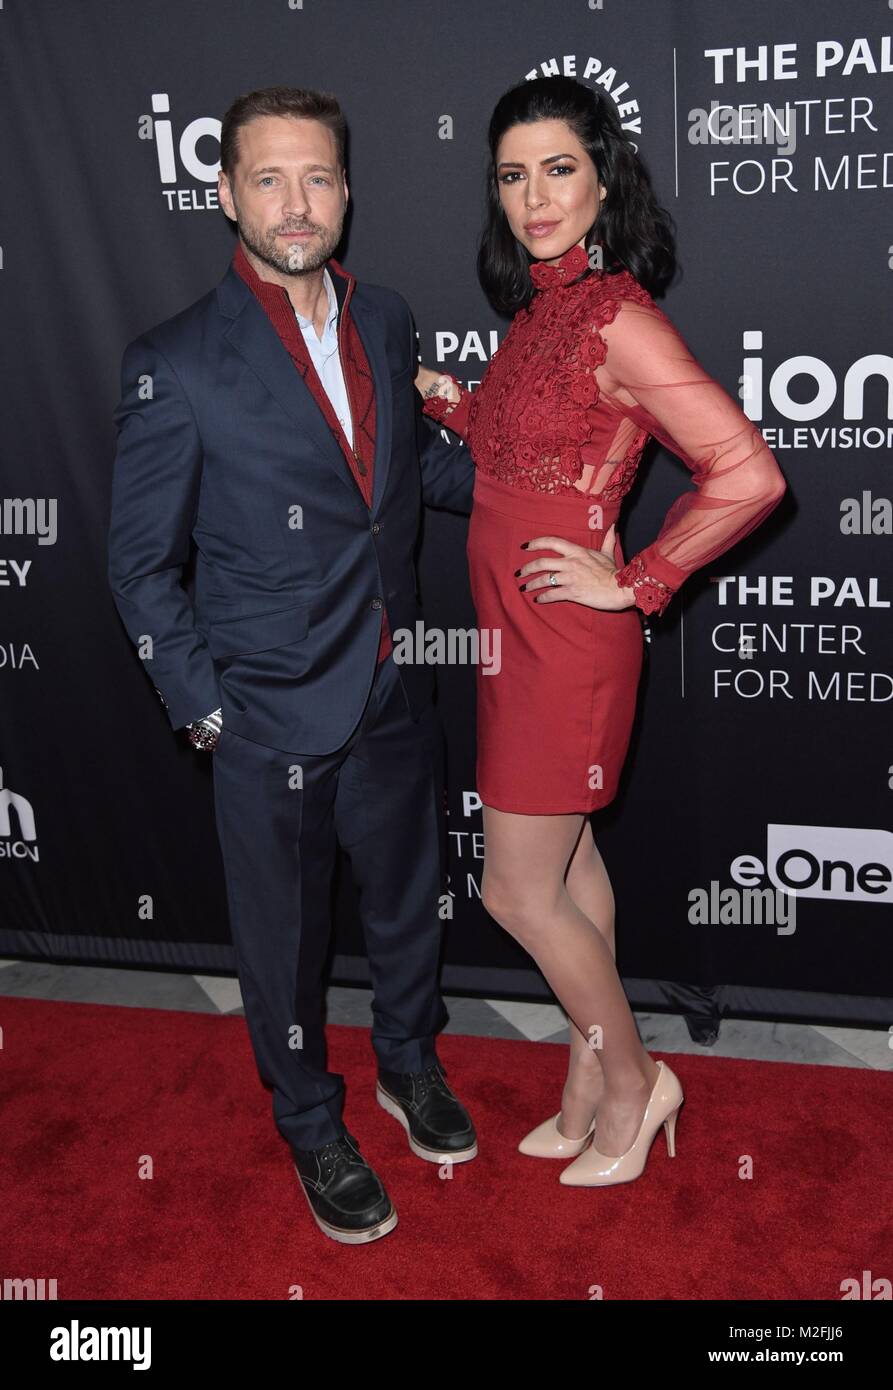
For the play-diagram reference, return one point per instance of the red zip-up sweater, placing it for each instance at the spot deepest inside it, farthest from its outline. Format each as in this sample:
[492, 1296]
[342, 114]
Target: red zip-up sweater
[358, 379]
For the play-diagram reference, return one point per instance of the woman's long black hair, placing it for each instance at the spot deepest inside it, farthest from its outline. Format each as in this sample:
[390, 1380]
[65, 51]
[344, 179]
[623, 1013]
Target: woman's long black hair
[635, 232]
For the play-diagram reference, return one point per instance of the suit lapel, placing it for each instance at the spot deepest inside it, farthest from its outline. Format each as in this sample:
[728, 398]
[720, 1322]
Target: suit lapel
[368, 326]
[253, 336]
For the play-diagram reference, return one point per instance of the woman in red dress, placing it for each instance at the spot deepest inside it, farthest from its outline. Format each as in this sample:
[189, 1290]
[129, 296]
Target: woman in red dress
[574, 245]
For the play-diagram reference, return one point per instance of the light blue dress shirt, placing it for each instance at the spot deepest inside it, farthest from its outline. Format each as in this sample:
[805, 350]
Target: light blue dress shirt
[324, 355]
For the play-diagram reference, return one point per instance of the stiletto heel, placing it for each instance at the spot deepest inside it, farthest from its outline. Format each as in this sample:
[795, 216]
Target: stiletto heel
[595, 1169]
[670, 1131]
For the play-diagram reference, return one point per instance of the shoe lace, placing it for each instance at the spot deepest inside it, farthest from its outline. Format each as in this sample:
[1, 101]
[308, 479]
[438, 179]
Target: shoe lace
[431, 1079]
[339, 1150]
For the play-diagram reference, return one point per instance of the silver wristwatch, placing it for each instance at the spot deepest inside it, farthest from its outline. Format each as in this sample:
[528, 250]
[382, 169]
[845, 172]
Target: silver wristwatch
[205, 733]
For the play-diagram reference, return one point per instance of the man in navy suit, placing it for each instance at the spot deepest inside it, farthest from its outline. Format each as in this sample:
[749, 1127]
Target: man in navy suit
[275, 423]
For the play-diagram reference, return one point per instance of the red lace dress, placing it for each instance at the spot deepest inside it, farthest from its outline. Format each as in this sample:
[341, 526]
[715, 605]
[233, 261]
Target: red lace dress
[556, 429]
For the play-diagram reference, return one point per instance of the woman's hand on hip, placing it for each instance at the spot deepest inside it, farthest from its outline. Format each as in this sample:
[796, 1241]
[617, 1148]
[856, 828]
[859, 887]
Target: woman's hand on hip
[581, 575]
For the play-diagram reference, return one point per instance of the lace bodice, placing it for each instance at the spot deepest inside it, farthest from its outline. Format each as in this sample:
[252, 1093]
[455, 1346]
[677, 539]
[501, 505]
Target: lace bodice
[583, 377]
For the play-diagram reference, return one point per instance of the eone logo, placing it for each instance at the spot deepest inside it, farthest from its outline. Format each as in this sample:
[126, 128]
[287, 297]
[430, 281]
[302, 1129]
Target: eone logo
[823, 861]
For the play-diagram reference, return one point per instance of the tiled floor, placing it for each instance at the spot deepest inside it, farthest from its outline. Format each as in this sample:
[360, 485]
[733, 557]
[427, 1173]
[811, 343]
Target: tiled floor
[484, 1018]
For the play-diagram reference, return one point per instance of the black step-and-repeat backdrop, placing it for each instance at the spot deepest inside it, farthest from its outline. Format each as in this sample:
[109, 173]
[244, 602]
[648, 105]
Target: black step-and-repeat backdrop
[750, 849]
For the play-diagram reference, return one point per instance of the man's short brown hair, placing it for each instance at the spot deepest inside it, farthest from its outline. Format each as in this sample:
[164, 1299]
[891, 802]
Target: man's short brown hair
[300, 102]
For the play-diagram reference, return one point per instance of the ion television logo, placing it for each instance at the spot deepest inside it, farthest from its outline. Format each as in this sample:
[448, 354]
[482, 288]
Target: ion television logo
[189, 180]
[823, 861]
[18, 832]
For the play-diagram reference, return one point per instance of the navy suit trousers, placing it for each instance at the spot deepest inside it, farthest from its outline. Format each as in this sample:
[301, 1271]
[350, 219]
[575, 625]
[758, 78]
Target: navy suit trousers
[278, 818]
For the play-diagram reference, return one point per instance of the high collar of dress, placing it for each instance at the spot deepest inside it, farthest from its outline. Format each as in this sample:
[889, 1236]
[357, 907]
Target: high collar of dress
[571, 264]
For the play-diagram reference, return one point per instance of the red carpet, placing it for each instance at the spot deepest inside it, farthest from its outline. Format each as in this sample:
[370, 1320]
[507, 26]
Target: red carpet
[87, 1090]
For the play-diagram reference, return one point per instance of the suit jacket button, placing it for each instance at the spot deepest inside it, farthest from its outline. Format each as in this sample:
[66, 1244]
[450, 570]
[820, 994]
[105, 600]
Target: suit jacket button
[376, 603]
[375, 528]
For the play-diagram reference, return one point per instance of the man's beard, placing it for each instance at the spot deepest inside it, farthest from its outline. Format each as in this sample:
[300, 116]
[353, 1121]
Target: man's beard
[290, 258]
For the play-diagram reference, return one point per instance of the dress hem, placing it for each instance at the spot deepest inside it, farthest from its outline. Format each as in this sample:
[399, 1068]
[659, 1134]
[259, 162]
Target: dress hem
[548, 810]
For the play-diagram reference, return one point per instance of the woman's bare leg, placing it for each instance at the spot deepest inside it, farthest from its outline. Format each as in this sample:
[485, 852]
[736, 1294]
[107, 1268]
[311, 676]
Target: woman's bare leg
[589, 886]
[526, 859]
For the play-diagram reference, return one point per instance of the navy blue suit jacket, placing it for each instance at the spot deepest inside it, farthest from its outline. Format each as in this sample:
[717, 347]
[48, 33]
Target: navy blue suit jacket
[221, 443]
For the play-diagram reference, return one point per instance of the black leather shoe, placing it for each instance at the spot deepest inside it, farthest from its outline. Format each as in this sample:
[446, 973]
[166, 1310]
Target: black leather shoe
[438, 1125]
[345, 1195]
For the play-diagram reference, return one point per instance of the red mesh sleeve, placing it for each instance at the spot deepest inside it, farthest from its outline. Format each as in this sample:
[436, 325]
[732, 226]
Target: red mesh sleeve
[650, 375]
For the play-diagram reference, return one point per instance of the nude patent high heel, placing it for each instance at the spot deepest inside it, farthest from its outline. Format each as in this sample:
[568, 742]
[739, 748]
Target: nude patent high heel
[547, 1141]
[595, 1169]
